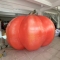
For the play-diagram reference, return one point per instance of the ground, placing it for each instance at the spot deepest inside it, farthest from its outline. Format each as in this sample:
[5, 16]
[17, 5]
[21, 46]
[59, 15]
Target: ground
[50, 52]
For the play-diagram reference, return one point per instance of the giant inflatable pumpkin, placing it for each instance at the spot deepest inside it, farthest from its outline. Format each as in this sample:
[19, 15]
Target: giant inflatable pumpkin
[30, 32]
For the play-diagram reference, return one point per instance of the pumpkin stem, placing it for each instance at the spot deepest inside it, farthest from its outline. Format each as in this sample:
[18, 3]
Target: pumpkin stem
[33, 12]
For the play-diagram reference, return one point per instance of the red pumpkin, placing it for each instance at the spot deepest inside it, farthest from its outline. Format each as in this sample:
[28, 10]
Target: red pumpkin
[30, 32]
[12, 32]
